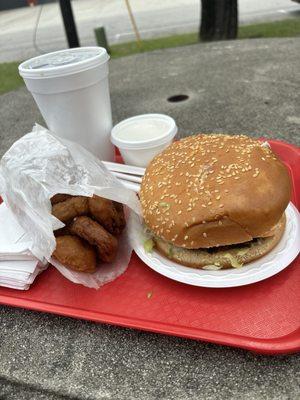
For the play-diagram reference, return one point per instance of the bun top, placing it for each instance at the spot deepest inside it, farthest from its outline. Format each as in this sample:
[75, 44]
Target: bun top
[214, 190]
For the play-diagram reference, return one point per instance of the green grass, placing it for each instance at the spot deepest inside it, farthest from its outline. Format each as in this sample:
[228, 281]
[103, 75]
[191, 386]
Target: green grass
[10, 79]
[126, 49]
[285, 28]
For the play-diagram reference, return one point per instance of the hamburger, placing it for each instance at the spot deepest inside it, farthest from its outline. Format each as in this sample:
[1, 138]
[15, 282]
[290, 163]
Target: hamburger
[215, 201]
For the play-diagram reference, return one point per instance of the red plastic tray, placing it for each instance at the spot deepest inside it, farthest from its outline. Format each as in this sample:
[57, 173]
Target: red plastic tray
[263, 317]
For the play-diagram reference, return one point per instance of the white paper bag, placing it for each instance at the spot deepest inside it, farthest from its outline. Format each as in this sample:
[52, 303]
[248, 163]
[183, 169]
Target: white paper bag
[39, 165]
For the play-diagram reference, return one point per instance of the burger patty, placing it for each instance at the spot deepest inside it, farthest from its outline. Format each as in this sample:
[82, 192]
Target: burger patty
[213, 250]
[224, 256]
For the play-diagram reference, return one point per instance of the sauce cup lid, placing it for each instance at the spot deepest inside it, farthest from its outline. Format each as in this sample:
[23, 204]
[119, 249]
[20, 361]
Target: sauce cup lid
[167, 131]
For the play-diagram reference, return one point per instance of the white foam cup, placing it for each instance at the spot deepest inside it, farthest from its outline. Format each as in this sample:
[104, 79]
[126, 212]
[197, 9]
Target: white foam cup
[71, 90]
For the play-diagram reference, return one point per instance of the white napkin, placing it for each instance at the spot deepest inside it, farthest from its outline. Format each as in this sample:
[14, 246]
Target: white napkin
[13, 242]
[18, 267]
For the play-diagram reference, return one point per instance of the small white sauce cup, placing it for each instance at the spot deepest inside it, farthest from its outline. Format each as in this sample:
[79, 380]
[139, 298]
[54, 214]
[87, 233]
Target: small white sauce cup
[139, 149]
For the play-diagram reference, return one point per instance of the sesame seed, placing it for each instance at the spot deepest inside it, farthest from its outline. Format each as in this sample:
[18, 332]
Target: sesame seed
[186, 237]
[204, 234]
[218, 197]
[179, 212]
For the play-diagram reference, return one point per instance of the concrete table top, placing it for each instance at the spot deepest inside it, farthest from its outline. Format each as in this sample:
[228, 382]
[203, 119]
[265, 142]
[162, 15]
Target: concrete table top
[249, 86]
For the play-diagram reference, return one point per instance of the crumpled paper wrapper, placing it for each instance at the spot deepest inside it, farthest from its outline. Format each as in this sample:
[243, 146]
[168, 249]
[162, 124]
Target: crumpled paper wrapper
[39, 165]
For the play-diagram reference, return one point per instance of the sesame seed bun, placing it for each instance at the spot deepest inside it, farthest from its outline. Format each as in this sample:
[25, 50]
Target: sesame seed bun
[222, 257]
[214, 190]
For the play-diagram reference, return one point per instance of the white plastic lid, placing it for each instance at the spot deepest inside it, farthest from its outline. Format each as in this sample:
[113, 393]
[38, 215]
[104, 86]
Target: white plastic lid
[144, 131]
[63, 62]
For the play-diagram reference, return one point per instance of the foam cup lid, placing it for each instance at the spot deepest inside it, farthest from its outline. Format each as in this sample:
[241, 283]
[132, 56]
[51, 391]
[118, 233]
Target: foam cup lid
[63, 62]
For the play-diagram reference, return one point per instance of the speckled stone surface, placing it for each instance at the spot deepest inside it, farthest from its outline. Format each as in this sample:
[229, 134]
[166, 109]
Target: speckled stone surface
[83, 360]
[246, 86]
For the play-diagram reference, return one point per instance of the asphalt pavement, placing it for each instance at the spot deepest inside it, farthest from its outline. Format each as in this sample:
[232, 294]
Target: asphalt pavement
[154, 19]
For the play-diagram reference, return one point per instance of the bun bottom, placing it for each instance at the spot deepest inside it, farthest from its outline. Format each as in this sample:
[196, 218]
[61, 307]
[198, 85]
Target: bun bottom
[233, 256]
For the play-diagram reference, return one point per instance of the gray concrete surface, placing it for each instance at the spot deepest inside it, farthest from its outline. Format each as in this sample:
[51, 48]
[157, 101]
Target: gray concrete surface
[154, 18]
[248, 86]
[54, 356]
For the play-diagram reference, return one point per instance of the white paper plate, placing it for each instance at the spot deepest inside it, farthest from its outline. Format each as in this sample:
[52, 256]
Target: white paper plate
[272, 263]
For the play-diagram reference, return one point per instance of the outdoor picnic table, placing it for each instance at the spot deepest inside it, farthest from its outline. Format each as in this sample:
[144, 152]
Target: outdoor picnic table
[249, 86]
